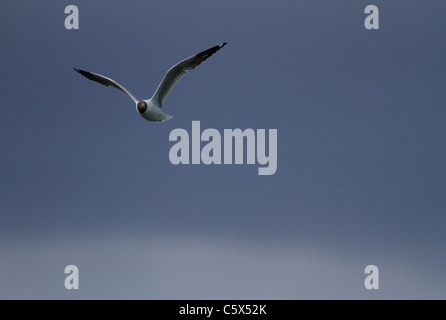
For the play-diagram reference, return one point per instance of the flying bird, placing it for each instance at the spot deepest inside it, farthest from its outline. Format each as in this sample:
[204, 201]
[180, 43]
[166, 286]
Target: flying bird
[151, 109]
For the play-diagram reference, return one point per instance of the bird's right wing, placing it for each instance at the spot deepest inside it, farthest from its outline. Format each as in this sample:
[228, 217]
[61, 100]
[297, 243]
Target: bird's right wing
[106, 82]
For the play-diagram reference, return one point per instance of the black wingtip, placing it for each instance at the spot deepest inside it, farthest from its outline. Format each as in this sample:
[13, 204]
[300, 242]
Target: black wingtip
[84, 73]
[209, 52]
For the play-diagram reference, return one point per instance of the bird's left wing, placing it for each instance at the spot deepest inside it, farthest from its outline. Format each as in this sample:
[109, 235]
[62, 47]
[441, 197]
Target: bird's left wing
[106, 82]
[175, 73]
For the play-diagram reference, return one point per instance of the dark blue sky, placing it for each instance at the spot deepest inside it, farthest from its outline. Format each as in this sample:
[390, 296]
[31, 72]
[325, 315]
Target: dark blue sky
[360, 116]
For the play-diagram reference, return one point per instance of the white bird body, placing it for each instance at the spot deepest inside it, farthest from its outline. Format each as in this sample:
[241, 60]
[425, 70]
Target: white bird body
[153, 112]
[151, 109]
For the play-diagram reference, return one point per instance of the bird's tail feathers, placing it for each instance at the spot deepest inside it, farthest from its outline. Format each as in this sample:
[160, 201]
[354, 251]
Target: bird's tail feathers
[165, 117]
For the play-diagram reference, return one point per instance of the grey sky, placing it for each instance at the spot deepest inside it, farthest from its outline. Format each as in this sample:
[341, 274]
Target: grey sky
[361, 159]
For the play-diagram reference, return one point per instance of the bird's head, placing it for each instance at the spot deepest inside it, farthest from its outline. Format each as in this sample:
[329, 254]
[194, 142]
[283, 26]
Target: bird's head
[142, 106]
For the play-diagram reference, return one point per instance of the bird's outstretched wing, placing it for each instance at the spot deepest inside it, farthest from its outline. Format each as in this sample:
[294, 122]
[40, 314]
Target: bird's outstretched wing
[106, 82]
[175, 73]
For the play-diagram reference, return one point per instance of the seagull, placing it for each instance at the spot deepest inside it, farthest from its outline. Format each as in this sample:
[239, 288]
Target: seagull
[151, 109]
